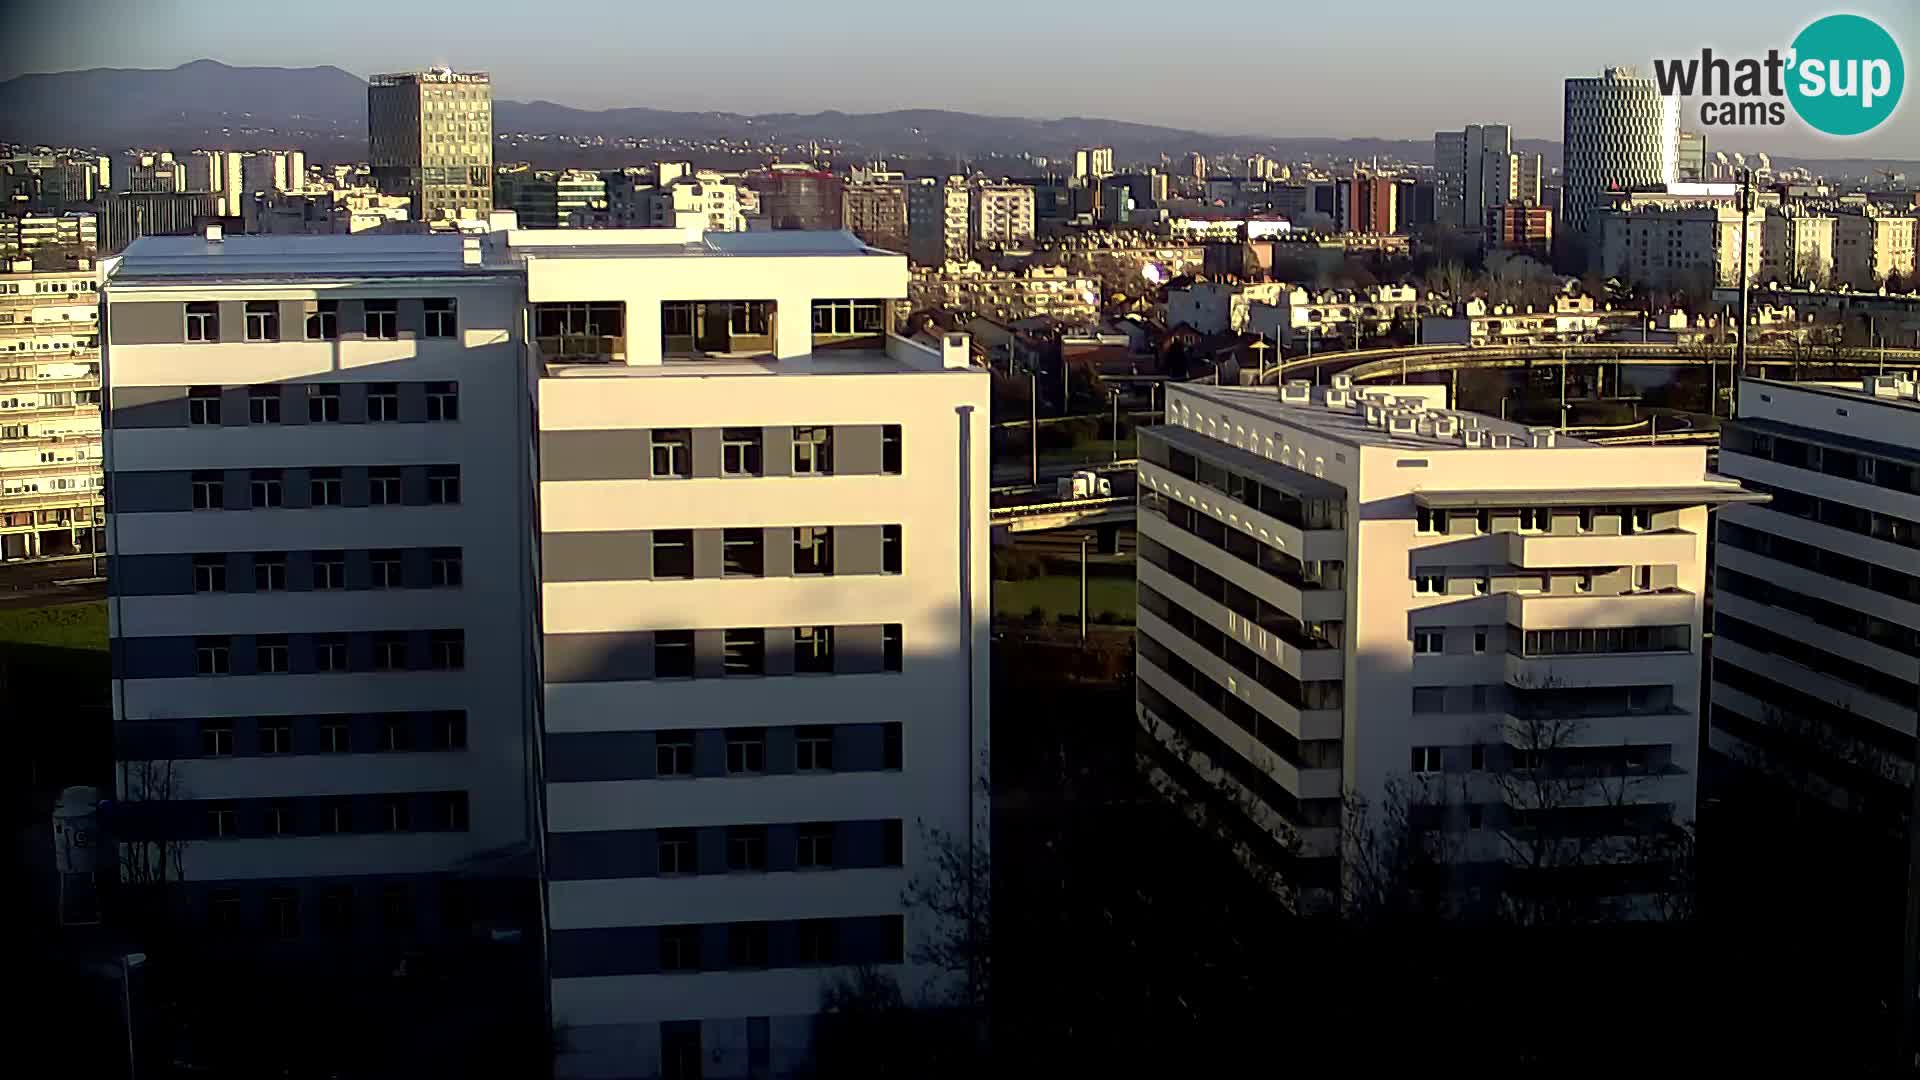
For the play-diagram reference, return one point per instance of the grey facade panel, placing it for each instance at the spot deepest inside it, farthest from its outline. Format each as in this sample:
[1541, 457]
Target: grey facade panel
[152, 575]
[782, 842]
[710, 845]
[413, 485]
[778, 552]
[600, 951]
[233, 403]
[594, 455]
[353, 395]
[299, 571]
[359, 572]
[296, 489]
[779, 739]
[599, 856]
[240, 571]
[776, 451]
[156, 492]
[416, 568]
[237, 491]
[413, 402]
[857, 450]
[859, 748]
[577, 757]
[354, 486]
[233, 320]
[710, 759]
[857, 549]
[596, 556]
[780, 656]
[293, 319]
[293, 396]
[607, 657]
[709, 654]
[156, 657]
[706, 452]
[412, 321]
[858, 650]
[353, 322]
[147, 323]
[149, 407]
[708, 554]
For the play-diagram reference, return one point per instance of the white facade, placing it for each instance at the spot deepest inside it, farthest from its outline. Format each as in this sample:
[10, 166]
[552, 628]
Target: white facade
[1868, 248]
[1817, 594]
[1217, 307]
[1003, 216]
[1620, 134]
[49, 413]
[1341, 590]
[1680, 246]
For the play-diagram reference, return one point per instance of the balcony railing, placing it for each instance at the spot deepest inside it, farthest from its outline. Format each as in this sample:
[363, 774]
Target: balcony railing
[582, 349]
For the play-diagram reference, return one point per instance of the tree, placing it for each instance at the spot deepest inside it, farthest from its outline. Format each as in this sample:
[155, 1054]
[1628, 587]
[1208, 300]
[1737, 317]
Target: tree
[150, 850]
[955, 887]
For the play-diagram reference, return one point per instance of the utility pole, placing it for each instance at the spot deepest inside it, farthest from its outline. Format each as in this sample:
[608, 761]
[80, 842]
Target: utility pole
[1115, 394]
[1083, 586]
[1746, 278]
[1033, 426]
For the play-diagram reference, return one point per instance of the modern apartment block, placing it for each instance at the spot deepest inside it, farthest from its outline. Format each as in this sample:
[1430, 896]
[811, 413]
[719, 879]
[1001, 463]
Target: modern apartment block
[937, 221]
[49, 412]
[876, 212]
[1351, 590]
[430, 138]
[1475, 170]
[1816, 658]
[649, 553]
[1002, 216]
[1620, 133]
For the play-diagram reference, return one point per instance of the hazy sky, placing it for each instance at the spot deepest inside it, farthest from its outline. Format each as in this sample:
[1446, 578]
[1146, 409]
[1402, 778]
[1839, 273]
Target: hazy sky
[1393, 68]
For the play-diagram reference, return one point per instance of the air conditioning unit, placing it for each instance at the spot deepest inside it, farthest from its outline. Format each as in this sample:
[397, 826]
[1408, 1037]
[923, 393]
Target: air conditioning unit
[1882, 385]
[1343, 382]
[1540, 438]
[1473, 438]
[1446, 427]
[1374, 413]
[1500, 440]
[1339, 399]
[1402, 423]
[1296, 392]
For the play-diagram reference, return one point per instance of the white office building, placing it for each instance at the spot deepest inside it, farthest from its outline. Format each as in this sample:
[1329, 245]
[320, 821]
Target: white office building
[651, 552]
[1621, 133]
[1352, 590]
[1817, 594]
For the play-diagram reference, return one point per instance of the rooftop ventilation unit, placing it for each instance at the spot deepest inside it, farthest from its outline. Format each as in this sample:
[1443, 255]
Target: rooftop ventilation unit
[1339, 400]
[1296, 392]
[1473, 438]
[1402, 423]
[1445, 426]
[1343, 382]
[214, 233]
[1500, 440]
[1375, 414]
[1883, 386]
[1540, 438]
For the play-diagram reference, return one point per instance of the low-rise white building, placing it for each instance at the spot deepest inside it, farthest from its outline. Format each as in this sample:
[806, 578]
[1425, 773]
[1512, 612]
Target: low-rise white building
[1213, 307]
[1297, 313]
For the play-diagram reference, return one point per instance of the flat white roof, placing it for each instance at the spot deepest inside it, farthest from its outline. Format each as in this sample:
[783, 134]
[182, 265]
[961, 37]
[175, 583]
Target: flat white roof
[1350, 425]
[265, 257]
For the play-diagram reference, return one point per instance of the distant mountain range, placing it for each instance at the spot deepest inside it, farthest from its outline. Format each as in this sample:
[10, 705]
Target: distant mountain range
[323, 109]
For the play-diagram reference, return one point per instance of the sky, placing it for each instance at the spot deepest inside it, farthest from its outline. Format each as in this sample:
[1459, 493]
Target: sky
[1386, 68]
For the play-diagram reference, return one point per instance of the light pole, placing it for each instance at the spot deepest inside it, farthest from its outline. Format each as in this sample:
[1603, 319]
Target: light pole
[129, 961]
[1033, 426]
[1083, 586]
[1115, 395]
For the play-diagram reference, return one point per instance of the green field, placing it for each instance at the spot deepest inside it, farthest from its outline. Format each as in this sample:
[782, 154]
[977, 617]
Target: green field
[1059, 594]
[64, 626]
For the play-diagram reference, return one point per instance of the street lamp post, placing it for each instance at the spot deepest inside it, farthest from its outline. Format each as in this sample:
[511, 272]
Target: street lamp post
[1115, 395]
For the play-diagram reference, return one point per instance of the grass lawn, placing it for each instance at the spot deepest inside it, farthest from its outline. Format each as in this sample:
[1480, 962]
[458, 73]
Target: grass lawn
[1059, 594]
[63, 626]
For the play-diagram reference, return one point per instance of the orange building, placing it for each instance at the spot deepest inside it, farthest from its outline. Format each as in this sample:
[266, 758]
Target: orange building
[1521, 226]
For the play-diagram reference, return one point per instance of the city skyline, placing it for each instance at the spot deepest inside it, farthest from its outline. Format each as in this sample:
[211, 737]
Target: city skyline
[857, 71]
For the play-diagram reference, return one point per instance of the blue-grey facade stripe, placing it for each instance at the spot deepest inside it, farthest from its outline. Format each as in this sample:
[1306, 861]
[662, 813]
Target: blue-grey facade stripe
[858, 650]
[585, 757]
[709, 654]
[148, 406]
[152, 492]
[615, 656]
[597, 556]
[353, 395]
[233, 404]
[607, 951]
[594, 455]
[603, 856]
[148, 323]
[413, 402]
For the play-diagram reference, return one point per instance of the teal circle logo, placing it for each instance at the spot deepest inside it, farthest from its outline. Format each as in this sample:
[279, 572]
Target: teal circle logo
[1847, 75]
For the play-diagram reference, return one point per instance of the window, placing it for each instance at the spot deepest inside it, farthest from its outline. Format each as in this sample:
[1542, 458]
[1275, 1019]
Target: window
[746, 750]
[263, 405]
[890, 549]
[815, 847]
[216, 738]
[440, 313]
[203, 406]
[450, 730]
[1536, 519]
[323, 323]
[742, 553]
[443, 401]
[203, 321]
[1583, 583]
[745, 651]
[209, 573]
[846, 318]
[673, 654]
[1479, 641]
[1429, 641]
[396, 907]
[222, 821]
[278, 820]
[383, 403]
[329, 570]
[1483, 521]
[819, 941]
[1427, 759]
[264, 489]
[747, 848]
[813, 650]
[896, 944]
[323, 404]
[209, 490]
[1586, 519]
[336, 907]
[443, 485]
[1429, 584]
[812, 451]
[384, 568]
[672, 453]
[893, 843]
[891, 750]
[223, 909]
[383, 486]
[1429, 699]
[672, 553]
[1642, 519]
[891, 652]
[673, 753]
[740, 451]
[210, 655]
[676, 852]
[325, 487]
[680, 951]
[1428, 520]
[394, 736]
[383, 319]
[270, 658]
[390, 651]
[270, 571]
[813, 549]
[450, 811]
[447, 650]
[813, 749]
[393, 813]
[446, 568]
[890, 449]
[1482, 585]
[263, 320]
[336, 737]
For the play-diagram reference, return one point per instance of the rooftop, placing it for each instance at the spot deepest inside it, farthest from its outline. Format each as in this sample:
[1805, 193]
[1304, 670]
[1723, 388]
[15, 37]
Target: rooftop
[1349, 424]
[1898, 391]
